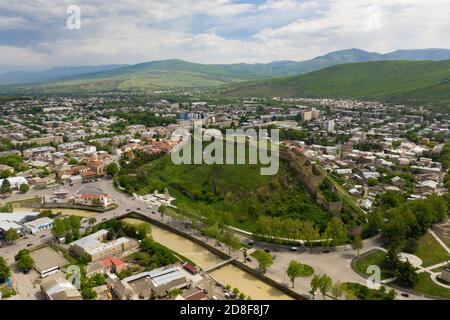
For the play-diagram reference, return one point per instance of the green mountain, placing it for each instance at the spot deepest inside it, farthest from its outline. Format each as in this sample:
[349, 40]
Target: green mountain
[166, 74]
[152, 76]
[402, 81]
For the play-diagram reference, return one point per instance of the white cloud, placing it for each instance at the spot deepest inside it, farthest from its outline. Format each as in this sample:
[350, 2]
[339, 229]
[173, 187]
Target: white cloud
[12, 23]
[124, 31]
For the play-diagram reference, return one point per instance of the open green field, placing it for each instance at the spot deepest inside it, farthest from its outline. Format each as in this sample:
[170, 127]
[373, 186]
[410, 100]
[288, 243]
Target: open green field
[233, 194]
[430, 251]
[377, 258]
[428, 287]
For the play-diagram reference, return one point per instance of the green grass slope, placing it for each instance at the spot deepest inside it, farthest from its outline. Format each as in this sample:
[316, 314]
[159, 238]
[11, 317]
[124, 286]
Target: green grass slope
[403, 81]
[233, 194]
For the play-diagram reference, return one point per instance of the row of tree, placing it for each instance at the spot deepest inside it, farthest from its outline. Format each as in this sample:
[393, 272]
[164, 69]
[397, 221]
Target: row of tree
[412, 219]
[68, 227]
[287, 229]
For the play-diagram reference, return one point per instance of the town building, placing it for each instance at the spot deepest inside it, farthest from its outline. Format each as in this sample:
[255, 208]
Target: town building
[58, 288]
[38, 225]
[93, 247]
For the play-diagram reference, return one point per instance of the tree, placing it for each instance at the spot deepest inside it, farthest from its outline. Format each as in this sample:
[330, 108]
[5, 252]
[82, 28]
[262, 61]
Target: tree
[25, 262]
[375, 222]
[337, 290]
[21, 253]
[24, 188]
[5, 187]
[143, 229]
[162, 210]
[336, 232]
[315, 283]
[88, 294]
[92, 220]
[372, 182]
[294, 270]
[406, 274]
[231, 240]
[5, 272]
[357, 244]
[112, 169]
[264, 260]
[325, 285]
[392, 259]
[11, 235]
[59, 229]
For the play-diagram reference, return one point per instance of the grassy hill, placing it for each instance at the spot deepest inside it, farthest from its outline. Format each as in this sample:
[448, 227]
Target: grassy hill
[167, 74]
[234, 194]
[149, 76]
[402, 81]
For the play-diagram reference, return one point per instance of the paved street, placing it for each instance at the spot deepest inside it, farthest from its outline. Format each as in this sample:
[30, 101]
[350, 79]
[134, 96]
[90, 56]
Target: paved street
[336, 263]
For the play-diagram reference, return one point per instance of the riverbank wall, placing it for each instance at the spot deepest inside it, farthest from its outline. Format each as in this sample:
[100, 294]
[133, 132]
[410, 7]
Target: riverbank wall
[222, 255]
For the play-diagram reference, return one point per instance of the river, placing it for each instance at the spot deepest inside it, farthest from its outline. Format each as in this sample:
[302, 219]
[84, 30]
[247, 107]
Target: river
[228, 275]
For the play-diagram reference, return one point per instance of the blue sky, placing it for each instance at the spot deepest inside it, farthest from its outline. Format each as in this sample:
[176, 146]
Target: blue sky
[33, 33]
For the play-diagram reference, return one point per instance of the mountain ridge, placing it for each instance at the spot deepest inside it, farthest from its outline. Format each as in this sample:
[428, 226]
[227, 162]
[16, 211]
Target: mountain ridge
[177, 73]
[391, 81]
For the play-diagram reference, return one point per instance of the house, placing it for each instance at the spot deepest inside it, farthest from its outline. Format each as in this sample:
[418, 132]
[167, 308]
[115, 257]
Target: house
[94, 249]
[108, 264]
[371, 175]
[38, 225]
[121, 289]
[47, 261]
[58, 288]
[366, 204]
[427, 186]
[15, 220]
[159, 281]
[75, 179]
[15, 182]
[91, 196]
[398, 182]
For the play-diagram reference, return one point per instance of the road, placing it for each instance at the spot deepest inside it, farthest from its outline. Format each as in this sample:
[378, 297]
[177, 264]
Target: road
[337, 263]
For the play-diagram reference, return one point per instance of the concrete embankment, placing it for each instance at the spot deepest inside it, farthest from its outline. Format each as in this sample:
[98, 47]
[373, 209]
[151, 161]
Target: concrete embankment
[241, 266]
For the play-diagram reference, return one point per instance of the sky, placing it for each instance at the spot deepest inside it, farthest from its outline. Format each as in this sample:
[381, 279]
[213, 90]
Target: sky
[40, 34]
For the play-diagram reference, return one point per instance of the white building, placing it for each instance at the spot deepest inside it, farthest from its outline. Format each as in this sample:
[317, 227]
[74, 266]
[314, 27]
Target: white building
[39, 225]
[15, 182]
[329, 125]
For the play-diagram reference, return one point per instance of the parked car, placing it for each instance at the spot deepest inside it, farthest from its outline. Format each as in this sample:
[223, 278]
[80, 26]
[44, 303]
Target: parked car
[404, 294]
[29, 245]
[249, 259]
[293, 249]
[326, 251]
[42, 236]
[267, 250]
[251, 242]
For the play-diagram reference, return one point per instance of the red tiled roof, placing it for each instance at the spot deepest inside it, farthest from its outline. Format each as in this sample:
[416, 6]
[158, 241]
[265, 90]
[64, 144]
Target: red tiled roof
[116, 261]
[107, 262]
[112, 261]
